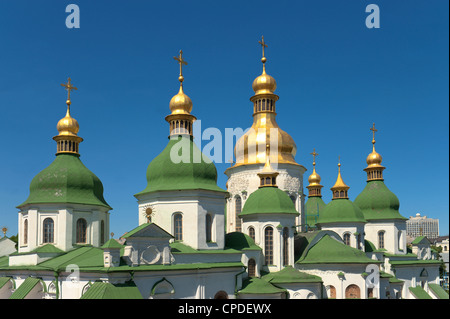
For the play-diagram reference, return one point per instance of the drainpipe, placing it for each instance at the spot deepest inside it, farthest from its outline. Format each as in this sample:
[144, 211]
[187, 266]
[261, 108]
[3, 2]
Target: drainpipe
[57, 284]
[236, 280]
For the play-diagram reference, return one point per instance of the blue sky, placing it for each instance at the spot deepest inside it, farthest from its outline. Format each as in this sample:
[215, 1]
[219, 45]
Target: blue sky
[335, 78]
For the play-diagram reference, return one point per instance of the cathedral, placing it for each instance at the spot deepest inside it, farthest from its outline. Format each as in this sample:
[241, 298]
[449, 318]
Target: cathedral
[261, 238]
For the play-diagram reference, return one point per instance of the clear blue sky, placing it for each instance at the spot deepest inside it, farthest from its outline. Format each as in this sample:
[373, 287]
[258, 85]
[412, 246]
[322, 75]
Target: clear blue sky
[335, 77]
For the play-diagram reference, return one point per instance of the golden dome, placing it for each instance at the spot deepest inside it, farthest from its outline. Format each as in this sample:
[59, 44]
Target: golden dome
[180, 103]
[264, 84]
[314, 179]
[374, 159]
[68, 125]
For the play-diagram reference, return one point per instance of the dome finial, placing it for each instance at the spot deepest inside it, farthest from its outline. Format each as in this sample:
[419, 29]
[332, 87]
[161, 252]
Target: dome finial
[340, 189]
[181, 62]
[314, 186]
[374, 168]
[67, 139]
[263, 59]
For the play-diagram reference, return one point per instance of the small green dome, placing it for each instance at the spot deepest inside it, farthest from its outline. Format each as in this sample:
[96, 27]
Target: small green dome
[180, 166]
[341, 210]
[66, 180]
[377, 202]
[268, 200]
[314, 207]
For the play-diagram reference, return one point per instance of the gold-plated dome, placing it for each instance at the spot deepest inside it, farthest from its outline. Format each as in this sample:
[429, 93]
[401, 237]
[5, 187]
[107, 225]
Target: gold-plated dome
[374, 168]
[180, 103]
[264, 84]
[68, 125]
[314, 179]
[250, 148]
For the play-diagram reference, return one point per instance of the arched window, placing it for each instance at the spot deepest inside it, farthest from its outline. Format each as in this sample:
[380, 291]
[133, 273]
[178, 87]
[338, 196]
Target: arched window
[25, 232]
[221, 295]
[208, 225]
[331, 292]
[347, 239]
[178, 226]
[268, 245]
[381, 239]
[285, 246]
[238, 209]
[251, 233]
[251, 267]
[352, 292]
[293, 199]
[102, 232]
[49, 230]
[148, 214]
[81, 230]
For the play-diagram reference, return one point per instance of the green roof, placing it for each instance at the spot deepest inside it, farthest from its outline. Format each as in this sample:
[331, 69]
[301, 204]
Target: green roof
[419, 293]
[253, 285]
[3, 281]
[104, 290]
[328, 250]
[268, 200]
[112, 243]
[25, 288]
[66, 180]
[180, 248]
[341, 210]
[290, 275]
[438, 291]
[194, 172]
[240, 241]
[377, 202]
[314, 206]
[417, 240]
[414, 262]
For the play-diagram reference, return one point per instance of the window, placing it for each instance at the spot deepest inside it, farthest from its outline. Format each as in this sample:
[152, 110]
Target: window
[293, 199]
[251, 233]
[238, 208]
[102, 232]
[380, 239]
[25, 232]
[285, 246]
[251, 267]
[178, 223]
[268, 245]
[81, 230]
[49, 230]
[347, 239]
[208, 225]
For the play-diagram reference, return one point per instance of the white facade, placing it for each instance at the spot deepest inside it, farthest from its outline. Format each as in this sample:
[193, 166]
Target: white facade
[387, 234]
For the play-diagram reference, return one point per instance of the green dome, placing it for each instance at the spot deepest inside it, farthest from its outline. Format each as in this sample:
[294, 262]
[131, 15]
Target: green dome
[341, 210]
[377, 202]
[163, 174]
[66, 180]
[268, 200]
[314, 206]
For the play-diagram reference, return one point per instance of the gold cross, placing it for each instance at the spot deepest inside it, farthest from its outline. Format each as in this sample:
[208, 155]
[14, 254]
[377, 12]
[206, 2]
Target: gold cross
[373, 129]
[69, 87]
[180, 62]
[314, 154]
[263, 44]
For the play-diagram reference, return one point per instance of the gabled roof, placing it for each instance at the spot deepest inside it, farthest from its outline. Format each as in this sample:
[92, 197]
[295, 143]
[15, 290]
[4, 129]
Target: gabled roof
[112, 243]
[253, 285]
[324, 249]
[290, 275]
[25, 288]
[438, 291]
[104, 290]
[419, 293]
[147, 230]
[421, 240]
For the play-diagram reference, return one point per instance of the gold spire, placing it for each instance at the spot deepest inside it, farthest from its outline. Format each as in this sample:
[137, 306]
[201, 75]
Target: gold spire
[340, 189]
[180, 105]
[268, 177]
[374, 168]
[67, 139]
[314, 179]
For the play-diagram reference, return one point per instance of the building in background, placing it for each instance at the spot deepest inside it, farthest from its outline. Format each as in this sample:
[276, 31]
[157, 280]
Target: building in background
[422, 226]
